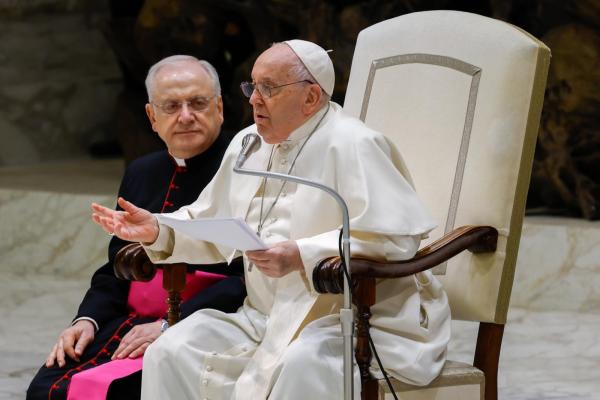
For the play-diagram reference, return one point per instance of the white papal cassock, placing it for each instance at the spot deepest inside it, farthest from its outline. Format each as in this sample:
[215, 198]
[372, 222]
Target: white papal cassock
[285, 341]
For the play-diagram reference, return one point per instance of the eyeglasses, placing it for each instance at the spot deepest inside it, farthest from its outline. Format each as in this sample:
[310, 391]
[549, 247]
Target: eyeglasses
[263, 89]
[196, 104]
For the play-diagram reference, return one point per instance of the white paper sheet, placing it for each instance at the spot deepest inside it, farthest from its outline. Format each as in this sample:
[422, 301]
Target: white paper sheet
[231, 232]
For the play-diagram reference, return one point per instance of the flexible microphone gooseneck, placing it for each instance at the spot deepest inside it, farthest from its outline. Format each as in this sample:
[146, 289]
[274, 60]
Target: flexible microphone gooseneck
[250, 144]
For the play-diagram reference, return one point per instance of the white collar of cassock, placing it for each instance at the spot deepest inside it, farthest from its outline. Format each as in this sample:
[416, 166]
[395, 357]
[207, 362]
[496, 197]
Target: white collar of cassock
[180, 161]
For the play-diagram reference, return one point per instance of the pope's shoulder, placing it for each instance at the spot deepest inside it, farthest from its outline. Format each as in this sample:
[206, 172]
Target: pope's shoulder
[351, 131]
[347, 131]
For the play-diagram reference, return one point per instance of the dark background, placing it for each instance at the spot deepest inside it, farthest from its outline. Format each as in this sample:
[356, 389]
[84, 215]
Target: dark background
[231, 33]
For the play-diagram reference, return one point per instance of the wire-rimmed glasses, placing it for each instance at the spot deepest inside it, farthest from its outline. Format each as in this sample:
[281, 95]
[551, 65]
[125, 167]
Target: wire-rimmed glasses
[263, 89]
[196, 104]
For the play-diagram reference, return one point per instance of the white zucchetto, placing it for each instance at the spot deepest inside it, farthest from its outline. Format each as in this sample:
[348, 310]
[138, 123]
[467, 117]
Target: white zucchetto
[317, 61]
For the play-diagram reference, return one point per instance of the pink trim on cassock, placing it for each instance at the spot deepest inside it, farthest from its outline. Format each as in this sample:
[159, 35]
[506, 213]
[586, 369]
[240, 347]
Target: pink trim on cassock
[146, 299]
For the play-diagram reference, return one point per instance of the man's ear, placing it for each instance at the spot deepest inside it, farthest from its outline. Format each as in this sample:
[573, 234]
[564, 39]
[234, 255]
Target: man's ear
[220, 108]
[313, 99]
[151, 115]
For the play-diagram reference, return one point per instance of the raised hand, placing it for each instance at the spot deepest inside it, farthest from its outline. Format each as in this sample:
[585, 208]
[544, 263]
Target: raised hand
[71, 342]
[133, 223]
[278, 260]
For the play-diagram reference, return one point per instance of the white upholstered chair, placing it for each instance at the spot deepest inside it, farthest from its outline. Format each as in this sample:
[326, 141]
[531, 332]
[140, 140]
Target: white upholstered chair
[461, 96]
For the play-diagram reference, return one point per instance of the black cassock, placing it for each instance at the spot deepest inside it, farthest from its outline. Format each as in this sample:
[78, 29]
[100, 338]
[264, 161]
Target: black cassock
[156, 183]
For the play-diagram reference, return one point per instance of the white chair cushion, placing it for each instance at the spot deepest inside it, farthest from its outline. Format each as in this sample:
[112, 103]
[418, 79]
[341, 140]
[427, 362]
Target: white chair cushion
[457, 381]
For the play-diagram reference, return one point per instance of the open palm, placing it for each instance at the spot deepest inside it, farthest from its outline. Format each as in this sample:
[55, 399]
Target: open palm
[133, 223]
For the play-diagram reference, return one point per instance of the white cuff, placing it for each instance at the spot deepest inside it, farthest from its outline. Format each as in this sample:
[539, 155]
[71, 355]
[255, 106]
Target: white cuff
[87, 319]
[162, 240]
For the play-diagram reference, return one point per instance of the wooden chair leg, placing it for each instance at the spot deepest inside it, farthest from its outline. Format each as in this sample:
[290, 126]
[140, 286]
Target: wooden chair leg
[364, 298]
[487, 356]
[174, 283]
[370, 389]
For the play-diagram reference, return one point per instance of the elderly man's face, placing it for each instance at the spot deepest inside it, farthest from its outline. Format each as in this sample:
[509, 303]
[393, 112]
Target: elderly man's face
[179, 93]
[276, 117]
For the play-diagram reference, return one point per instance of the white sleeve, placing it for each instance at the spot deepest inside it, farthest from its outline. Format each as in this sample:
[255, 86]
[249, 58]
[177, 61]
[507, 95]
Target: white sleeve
[384, 247]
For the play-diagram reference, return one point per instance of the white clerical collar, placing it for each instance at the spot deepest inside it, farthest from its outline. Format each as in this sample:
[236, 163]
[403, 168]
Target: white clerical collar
[180, 161]
[306, 128]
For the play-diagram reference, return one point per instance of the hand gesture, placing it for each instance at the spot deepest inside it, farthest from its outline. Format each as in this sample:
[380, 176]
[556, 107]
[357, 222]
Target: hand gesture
[133, 224]
[278, 260]
[72, 342]
[137, 340]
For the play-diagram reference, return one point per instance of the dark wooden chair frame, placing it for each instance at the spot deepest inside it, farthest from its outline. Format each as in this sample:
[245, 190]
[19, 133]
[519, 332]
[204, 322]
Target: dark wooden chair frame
[328, 278]
[132, 263]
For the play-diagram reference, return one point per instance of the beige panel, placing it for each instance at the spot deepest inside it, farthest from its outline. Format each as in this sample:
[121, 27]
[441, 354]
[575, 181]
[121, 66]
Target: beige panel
[445, 92]
[456, 381]
[461, 392]
[504, 125]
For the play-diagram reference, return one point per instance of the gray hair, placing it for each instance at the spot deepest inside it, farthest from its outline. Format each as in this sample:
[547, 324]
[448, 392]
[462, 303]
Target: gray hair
[299, 70]
[301, 73]
[208, 68]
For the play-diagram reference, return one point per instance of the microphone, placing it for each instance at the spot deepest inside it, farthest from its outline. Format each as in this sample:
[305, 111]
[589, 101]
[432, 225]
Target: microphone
[250, 144]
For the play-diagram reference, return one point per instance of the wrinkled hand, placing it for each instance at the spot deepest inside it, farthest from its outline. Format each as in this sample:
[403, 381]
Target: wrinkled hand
[278, 260]
[137, 340]
[133, 224]
[72, 342]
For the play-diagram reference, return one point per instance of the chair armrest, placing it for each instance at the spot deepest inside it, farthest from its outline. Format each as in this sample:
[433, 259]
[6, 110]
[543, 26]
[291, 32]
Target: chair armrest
[328, 274]
[132, 263]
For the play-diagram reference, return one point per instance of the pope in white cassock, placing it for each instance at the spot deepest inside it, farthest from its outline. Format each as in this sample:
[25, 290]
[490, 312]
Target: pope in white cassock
[285, 342]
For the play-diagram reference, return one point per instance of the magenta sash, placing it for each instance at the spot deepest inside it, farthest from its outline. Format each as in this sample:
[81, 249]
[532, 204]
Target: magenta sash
[146, 299]
[93, 383]
[149, 299]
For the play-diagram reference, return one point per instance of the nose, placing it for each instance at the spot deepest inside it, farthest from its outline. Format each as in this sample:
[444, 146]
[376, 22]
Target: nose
[185, 114]
[255, 97]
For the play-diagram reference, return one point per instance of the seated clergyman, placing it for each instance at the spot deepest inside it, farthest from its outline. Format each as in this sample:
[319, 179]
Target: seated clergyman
[285, 341]
[118, 320]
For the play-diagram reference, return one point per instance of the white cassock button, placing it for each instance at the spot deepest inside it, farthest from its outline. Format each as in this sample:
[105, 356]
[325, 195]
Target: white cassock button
[268, 234]
[209, 368]
[205, 382]
[283, 161]
[283, 194]
[214, 353]
[273, 220]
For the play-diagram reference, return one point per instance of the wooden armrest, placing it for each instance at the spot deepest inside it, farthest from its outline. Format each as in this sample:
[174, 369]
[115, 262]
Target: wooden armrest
[132, 263]
[328, 274]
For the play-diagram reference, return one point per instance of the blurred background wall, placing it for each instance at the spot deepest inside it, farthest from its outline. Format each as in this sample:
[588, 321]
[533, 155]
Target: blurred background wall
[59, 80]
[72, 71]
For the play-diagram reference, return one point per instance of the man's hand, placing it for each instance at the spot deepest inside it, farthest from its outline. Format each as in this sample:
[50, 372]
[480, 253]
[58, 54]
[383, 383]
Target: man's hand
[72, 342]
[134, 224]
[137, 340]
[278, 260]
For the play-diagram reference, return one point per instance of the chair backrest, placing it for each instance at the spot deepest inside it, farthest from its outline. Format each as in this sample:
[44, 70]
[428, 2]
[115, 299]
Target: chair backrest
[460, 95]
